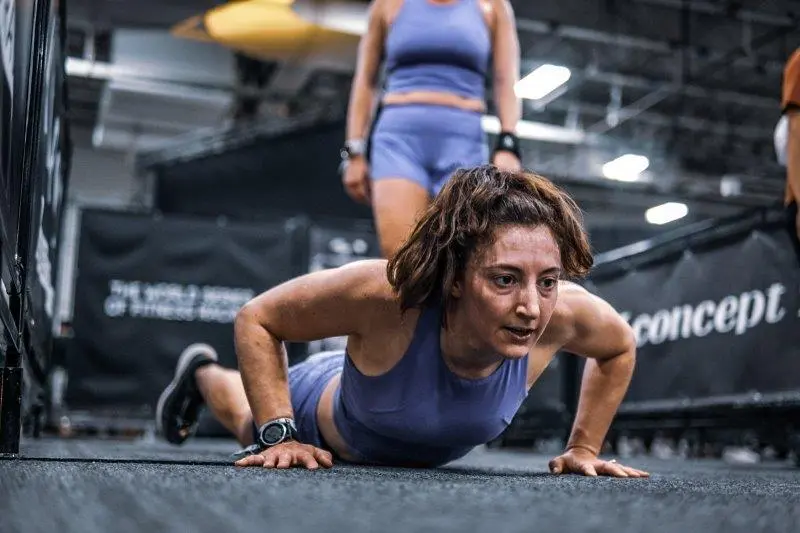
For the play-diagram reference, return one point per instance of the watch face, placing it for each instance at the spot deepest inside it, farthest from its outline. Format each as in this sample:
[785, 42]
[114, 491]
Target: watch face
[273, 434]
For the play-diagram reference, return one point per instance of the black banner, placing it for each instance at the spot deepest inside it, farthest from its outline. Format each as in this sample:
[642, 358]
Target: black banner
[713, 322]
[147, 287]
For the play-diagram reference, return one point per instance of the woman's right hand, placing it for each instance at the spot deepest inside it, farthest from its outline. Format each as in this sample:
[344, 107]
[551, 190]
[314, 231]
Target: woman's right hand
[288, 454]
[356, 180]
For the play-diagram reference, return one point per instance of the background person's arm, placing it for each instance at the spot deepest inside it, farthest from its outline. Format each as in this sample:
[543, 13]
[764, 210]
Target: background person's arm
[362, 101]
[506, 66]
[363, 88]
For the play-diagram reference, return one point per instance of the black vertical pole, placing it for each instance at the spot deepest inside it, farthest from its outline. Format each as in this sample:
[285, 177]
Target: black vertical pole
[11, 399]
[11, 388]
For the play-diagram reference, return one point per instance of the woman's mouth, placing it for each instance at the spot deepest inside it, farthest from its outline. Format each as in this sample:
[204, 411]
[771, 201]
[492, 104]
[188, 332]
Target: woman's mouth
[522, 334]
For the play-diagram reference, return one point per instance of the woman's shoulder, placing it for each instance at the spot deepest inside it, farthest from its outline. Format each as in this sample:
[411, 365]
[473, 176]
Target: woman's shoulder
[370, 280]
[387, 329]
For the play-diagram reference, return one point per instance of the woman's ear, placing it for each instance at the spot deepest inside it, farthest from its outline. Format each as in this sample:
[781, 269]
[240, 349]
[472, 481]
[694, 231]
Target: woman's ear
[457, 289]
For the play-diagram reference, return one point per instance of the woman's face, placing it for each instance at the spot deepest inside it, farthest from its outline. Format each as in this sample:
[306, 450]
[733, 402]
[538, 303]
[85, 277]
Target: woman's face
[509, 291]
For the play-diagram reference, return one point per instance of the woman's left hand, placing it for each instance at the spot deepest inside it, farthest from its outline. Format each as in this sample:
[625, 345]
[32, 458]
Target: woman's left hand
[584, 462]
[506, 161]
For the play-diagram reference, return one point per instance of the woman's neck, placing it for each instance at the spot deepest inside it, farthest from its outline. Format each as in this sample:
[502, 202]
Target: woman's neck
[463, 357]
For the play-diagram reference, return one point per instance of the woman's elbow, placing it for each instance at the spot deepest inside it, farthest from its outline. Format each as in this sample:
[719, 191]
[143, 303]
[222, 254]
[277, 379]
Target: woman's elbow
[629, 339]
[628, 353]
[246, 318]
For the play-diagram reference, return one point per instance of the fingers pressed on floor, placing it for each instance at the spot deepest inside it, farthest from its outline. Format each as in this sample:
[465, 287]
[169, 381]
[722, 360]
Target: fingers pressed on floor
[285, 460]
[589, 470]
[324, 458]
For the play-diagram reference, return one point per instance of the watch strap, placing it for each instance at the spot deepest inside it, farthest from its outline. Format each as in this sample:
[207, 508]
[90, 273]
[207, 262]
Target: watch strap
[508, 142]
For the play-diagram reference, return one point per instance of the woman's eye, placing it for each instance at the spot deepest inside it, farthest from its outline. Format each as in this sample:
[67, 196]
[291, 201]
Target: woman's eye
[549, 283]
[504, 280]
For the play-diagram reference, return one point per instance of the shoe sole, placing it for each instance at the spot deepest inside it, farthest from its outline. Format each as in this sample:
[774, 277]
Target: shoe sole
[184, 361]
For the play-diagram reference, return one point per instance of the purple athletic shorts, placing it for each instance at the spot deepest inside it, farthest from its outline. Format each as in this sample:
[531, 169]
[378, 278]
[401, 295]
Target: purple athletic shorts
[426, 144]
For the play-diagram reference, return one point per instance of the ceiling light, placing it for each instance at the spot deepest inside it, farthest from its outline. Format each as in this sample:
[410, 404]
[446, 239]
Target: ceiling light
[626, 167]
[83, 68]
[542, 82]
[537, 131]
[666, 213]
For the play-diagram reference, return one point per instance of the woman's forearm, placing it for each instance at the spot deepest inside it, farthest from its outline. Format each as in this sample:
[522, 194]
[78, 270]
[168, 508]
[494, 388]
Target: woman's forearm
[264, 368]
[603, 387]
[359, 111]
[506, 68]
[509, 107]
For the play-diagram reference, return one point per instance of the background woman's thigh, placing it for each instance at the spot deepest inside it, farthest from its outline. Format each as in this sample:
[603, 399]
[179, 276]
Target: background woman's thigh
[396, 204]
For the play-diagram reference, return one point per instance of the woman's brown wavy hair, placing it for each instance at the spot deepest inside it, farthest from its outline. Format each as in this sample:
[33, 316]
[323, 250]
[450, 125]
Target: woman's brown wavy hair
[465, 215]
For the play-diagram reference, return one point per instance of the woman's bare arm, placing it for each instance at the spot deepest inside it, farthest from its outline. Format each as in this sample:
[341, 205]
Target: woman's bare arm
[601, 335]
[362, 92]
[330, 303]
[506, 66]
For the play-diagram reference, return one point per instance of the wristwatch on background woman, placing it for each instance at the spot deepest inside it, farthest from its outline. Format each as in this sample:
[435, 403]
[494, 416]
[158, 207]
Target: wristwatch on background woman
[353, 148]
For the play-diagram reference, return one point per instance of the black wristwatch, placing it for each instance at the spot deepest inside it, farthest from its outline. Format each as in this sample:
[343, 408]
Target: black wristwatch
[276, 431]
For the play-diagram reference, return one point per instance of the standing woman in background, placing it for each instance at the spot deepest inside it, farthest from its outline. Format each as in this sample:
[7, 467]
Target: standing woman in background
[438, 56]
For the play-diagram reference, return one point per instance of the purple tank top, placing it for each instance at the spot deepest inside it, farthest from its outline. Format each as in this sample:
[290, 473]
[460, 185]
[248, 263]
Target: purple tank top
[444, 47]
[419, 412]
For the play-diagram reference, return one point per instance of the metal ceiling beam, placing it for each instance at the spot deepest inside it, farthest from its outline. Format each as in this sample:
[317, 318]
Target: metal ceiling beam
[593, 36]
[708, 67]
[692, 90]
[684, 122]
[637, 193]
[743, 15]
[589, 35]
[647, 84]
[81, 68]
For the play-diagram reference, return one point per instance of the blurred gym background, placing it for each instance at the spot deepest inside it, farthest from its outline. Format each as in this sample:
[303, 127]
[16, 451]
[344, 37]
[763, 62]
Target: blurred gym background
[198, 156]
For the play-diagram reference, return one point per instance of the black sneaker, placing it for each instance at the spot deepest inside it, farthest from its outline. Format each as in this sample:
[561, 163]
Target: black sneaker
[180, 405]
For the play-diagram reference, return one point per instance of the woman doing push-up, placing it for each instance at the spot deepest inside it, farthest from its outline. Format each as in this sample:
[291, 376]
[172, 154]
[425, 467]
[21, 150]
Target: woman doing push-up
[445, 340]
